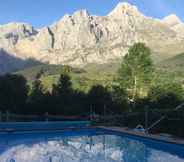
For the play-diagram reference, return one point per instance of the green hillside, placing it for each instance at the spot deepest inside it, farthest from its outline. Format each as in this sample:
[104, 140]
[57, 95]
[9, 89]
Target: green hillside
[83, 79]
[172, 69]
[174, 64]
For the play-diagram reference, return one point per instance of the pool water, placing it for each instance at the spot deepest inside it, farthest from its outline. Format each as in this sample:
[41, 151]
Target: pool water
[94, 145]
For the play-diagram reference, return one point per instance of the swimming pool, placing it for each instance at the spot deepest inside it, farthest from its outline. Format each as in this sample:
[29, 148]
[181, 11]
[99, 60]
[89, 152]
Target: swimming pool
[85, 145]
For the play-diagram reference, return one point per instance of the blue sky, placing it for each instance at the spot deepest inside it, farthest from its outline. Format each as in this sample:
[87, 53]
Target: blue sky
[44, 12]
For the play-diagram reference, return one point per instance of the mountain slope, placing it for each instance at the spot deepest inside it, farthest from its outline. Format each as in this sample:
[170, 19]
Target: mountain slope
[82, 79]
[174, 64]
[170, 70]
[9, 63]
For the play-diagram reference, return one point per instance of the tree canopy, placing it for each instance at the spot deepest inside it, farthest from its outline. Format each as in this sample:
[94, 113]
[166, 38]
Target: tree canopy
[136, 70]
[166, 95]
[13, 92]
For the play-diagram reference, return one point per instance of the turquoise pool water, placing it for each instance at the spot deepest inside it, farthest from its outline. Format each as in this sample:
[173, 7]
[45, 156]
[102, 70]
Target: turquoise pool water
[85, 145]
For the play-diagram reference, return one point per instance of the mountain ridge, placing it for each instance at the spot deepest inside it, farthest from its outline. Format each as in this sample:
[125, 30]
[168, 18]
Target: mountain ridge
[80, 39]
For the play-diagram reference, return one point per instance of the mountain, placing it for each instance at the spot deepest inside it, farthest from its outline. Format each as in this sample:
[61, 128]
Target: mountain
[172, 20]
[81, 39]
[9, 63]
[175, 24]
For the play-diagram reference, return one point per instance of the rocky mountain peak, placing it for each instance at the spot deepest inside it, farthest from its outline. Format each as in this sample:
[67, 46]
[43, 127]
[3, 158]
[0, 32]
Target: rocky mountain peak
[77, 17]
[175, 24]
[124, 8]
[80, 39]
[20, 29]
[81, 13]
[11, 33]
[80, 16]
[172, 20]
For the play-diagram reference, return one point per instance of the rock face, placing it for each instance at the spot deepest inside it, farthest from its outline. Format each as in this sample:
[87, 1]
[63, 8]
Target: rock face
[11, 33]
[173, 22]
[82, 38]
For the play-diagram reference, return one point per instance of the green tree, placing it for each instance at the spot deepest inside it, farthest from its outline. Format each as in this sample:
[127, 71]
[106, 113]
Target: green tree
[136, 70]
[37, 91]
[99, 98]
[119, 98]
[13, 92]
[64, 86]
[62, 93]
[166, 95]
[37, 96]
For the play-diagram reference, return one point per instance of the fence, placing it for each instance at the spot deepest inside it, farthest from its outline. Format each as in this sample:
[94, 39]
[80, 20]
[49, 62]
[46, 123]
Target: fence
[34, 126]
[12, 117]
[172, 123]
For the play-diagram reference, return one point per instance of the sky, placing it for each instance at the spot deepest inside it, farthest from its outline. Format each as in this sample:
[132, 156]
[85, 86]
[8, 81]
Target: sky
[41, 13]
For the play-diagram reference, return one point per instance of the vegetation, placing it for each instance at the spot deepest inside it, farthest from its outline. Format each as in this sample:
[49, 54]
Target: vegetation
[165, 71]
[81, 79]
[13, 92]
[166, 95]
[62, 90]
[173, 64]
[62, 100]
[136, 70]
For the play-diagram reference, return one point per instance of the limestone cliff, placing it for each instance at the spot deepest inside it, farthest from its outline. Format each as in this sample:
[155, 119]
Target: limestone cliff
[82, 38]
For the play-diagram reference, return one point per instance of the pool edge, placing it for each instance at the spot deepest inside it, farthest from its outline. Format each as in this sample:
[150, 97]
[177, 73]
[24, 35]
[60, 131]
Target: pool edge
[177, 141]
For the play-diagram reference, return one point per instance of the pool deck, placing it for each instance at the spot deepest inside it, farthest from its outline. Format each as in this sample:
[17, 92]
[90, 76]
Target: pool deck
[173, 140]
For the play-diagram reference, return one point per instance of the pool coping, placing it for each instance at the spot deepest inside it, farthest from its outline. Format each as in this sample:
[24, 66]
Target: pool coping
[157, 137]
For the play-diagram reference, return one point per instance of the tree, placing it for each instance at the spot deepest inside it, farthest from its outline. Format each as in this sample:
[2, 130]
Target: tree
[119, 98]
[37, 96]
[64, 86]
[37, 90]
[99, 98]
[78, 106]
[62, 93]
[13, 92]
[166, 95]
[136, 70]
